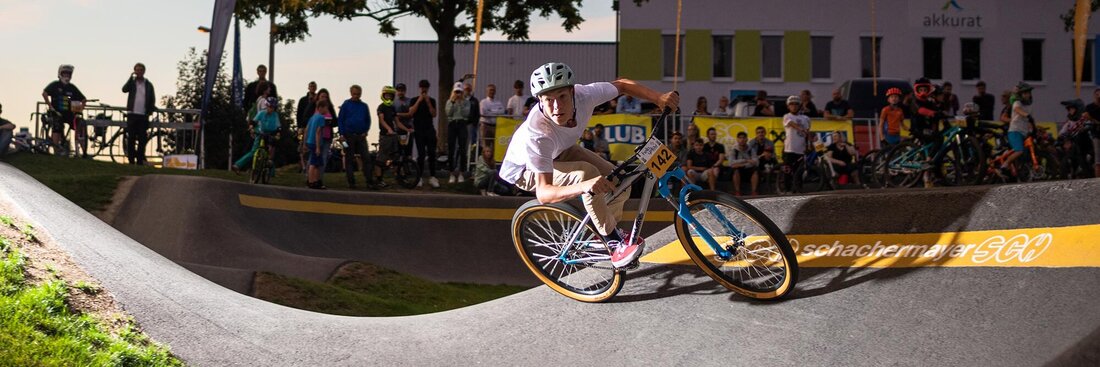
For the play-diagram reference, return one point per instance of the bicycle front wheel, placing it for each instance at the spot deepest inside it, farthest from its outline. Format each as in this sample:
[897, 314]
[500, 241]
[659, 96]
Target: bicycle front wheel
[579, 269]
[762, 264]
[259, 167]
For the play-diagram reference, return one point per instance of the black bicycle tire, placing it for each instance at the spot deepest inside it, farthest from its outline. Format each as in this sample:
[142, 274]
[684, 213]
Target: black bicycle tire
[407, 173]
[683, 232]
[600, 294]
[897, 150]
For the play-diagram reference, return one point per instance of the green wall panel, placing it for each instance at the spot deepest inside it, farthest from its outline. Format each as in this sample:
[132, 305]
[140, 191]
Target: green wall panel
[698, 52]
[746, 59]
[796, 56]
[640, 54]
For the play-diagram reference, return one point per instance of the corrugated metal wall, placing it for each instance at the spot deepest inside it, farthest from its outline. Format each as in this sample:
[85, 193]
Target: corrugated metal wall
[502, 63]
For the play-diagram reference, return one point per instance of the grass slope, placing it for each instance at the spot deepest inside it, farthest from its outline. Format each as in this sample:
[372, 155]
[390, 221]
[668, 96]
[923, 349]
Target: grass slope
[360, 289]
[38, 328]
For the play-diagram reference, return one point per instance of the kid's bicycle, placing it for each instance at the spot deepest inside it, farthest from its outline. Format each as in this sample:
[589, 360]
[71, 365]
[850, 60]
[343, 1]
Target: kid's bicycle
[729, 239]
[263, 168]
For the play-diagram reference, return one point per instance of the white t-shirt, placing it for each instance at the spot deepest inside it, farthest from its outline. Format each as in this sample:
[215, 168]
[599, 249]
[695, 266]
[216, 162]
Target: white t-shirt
[718, 111]
[492, 108]
[796, 140]
[139, 97]
[1020, 123]
[539, 140]
[516, 105]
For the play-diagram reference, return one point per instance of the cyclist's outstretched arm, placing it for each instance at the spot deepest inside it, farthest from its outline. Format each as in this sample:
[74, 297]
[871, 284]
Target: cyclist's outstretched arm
[632, 88]
[548, 193]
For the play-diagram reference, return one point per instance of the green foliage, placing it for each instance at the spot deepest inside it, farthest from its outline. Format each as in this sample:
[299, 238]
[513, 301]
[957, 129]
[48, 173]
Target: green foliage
[28, 233]
[87, 288]
[7, 221]
[38, 329]
[224, 118]
[1067, 17]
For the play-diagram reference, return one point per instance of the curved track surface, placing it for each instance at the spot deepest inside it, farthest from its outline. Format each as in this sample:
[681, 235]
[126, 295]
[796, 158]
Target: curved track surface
[665, 314]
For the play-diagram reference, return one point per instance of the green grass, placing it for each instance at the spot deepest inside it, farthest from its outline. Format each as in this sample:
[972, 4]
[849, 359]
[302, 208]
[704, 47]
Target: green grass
[366, 290]
[91, 184]
[39, 329]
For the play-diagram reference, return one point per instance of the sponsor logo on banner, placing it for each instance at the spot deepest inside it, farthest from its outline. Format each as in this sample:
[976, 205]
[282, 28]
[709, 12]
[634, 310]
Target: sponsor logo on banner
[625, 134]
[1073, 246]
[997, 249]
[181, 161]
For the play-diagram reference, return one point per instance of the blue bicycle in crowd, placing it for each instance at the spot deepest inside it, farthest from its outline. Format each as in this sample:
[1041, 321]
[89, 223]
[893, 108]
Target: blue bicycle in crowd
[729, 239]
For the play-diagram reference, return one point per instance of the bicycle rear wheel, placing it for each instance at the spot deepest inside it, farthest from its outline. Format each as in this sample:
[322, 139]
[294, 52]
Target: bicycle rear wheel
[407, 172]
[763, 265]
[540, 234]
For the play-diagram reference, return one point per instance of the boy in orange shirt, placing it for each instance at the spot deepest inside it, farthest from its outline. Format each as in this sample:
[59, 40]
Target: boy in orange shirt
[892, 117]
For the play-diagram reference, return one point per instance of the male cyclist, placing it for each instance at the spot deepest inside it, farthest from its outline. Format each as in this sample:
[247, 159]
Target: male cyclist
[544, 156]
[63, 99]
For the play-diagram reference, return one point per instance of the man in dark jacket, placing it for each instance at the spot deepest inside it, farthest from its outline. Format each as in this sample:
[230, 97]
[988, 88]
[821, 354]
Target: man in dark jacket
[252, 91]
[140, 103]
[306, 107]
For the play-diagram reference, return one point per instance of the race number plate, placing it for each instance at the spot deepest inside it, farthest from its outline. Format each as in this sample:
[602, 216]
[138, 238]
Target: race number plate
[658, 158]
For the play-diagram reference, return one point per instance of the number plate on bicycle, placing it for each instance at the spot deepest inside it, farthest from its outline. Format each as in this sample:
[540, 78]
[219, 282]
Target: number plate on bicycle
[658, 158]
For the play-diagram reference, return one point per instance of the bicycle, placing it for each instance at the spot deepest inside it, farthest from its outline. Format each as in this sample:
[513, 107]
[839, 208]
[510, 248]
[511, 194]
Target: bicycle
[729, 239]
[263, 168]
[1037, 162]
[405, 170]
[809, 172]
[962, 156]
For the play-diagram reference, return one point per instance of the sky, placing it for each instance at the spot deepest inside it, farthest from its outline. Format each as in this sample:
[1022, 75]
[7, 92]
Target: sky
[103, 39]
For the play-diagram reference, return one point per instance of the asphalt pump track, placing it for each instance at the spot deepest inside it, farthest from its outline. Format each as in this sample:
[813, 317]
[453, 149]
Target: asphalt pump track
[1022, 293]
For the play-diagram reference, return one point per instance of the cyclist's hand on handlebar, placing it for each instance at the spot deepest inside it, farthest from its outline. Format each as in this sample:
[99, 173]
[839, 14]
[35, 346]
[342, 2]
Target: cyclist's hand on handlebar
[669, 100]
[598, 185]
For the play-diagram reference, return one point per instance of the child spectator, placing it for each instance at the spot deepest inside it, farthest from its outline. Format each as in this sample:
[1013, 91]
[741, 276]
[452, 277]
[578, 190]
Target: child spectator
[743, 162]
[485, 175]
[587, 141]
[892, 117]
[263, 125]
[314, 143]
[764, 149]
[797, 129]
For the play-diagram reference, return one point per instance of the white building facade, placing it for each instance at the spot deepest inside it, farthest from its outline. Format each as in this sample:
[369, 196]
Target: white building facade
[784, 47]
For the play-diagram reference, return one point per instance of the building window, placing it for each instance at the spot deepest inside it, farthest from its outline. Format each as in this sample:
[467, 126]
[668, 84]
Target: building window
[1033, 60]
[865, 60]
[971, 58]
[933, 58]
[821, 52]
[669, 41]
[772, 52]
[722, 50]
[1086, 71]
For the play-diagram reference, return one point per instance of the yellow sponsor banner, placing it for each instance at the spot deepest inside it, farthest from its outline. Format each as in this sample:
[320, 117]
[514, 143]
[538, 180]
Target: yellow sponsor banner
[727, 129]
[622, 132]
[1073, 246]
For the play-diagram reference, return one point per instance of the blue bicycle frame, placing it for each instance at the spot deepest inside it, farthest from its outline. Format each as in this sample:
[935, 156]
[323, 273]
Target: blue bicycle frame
[908, 159]
[664, 189]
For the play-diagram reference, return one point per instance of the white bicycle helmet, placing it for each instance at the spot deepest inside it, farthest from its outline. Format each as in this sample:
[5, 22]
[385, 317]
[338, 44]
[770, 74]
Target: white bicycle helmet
[63, 68]
[550, 76]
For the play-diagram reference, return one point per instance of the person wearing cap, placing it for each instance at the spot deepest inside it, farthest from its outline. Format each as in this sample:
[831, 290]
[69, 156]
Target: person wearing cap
[544, 157]
[354, 123]
[263, 126]
[458, 110]
[63, 98]
[797, 128]
[1020, 124]
[892, 117]
[140, 103]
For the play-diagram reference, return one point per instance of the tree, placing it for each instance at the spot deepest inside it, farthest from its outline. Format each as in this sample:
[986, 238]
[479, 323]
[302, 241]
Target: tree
[295, 13]
[1067, 17]
[222, 113]
[511, 17]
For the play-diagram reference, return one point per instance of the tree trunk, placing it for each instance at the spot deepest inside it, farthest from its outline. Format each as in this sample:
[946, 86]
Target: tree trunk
[446, 60]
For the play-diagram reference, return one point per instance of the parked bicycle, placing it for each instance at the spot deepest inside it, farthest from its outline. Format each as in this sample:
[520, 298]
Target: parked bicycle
[405, 170]
[961, 156]
[729, 239]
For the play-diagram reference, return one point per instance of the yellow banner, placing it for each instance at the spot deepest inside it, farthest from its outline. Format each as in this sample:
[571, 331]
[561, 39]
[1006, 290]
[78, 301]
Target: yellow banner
[1033, 247]
[622, 132]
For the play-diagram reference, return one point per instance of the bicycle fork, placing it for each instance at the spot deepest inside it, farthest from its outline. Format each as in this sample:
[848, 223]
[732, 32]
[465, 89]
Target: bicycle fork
[723, 253]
